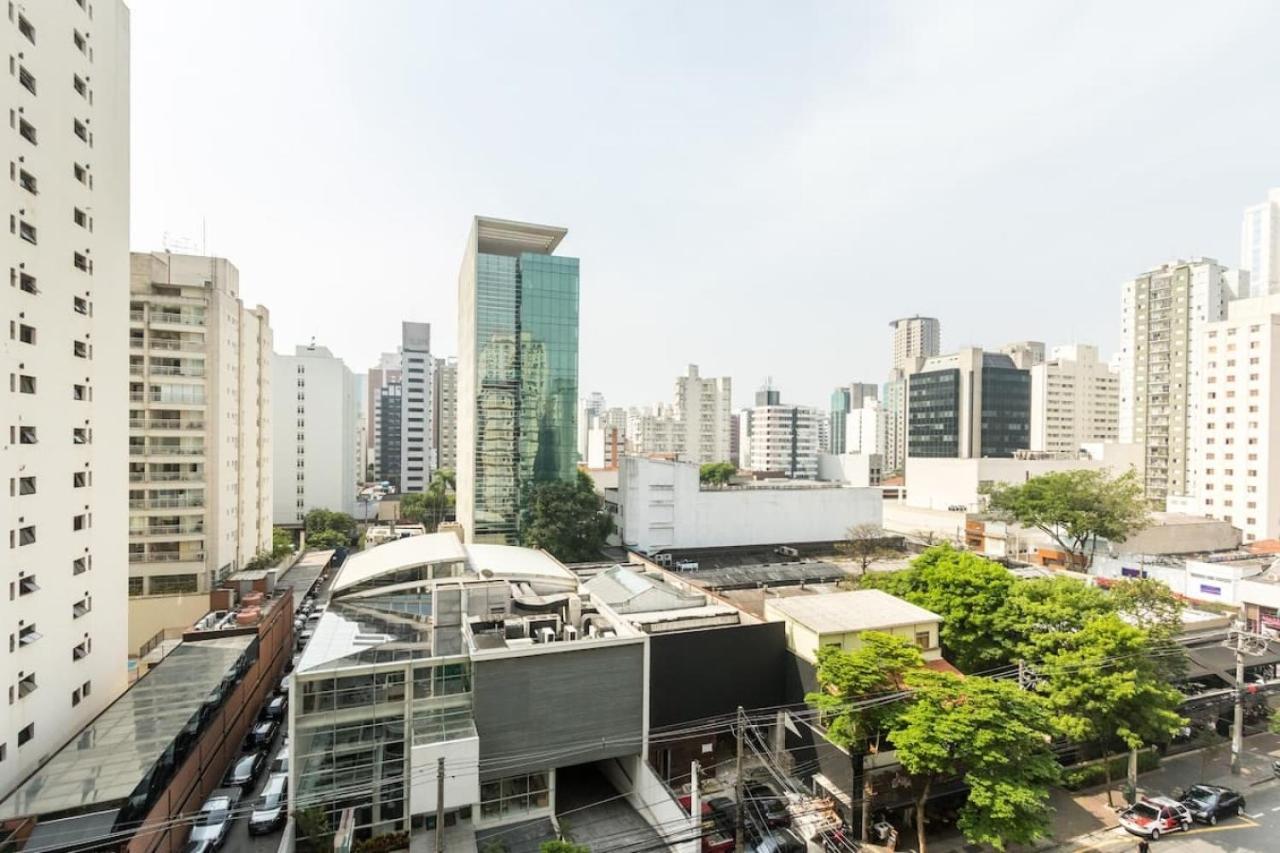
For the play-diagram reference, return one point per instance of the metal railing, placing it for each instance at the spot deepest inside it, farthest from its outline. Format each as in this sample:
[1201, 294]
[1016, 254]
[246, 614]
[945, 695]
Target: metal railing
[166, 451]
[166, 503]
[164, 423]
[168, 557]
[167, 530]
[166, 477]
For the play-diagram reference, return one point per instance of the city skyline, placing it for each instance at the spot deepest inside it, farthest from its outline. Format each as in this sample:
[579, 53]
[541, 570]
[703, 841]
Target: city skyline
[881, 158]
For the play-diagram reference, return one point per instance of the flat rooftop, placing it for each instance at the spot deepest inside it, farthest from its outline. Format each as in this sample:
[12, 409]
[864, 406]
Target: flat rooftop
[847, 612]
[104, 765]
[767, 574]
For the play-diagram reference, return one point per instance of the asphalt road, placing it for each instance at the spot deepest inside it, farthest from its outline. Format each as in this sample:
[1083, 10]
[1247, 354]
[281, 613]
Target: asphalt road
[1258, 832]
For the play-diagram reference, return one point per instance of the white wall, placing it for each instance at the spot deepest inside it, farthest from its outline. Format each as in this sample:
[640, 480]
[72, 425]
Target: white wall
[943, 483]
[663, 506]
[854, 469]
[461, 775]
[327, 400]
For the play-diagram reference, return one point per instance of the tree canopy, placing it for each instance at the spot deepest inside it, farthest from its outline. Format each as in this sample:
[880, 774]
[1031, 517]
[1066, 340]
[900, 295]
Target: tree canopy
[328, 529]
[994, 735]
[717, 473]
[866, 544]
[1075, 508]
[566, 519]
[879, 665]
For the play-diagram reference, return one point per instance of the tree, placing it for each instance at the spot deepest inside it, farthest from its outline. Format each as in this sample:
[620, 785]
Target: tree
[993, 734]
[1155, 608]
[281, 543]
[717, 473]
[318, 520]
[1103, 686]
[314, 833]
[440, 497]
[865, 544]
[566, 519]
[1040, 610]
[328, 539]
[1075, 508]
[969, 593]
[562, 847]
[879, 665]
[413, 506]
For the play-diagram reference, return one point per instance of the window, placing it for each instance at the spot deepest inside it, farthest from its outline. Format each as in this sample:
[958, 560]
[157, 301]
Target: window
[27, 232]
[80, 217]
[79, 349]
[26, 734]
[27, 80]
[173, 584]
[80, 565]
[80, 86]
[27, 535]
[79, 479]
[80, 522]
[27, 585]
[81, 435]
[135, 586]
[27, 131]
[81, 173]
[26, 485]
[81, 305]
[75, 697]
[27, 283]
[26, 384]
[24, 27]
[78, 41]
[27, 435]
[26, 334]
[922, 639]
[27, 635]
[27, 181]
[81, 607]
[82, 650]
[79, 392]
[80, 130]
[81, 262]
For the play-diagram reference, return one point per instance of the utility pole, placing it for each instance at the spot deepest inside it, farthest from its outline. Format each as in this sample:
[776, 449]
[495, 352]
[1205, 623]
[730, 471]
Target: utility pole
[440, 804]
[1243, 642]
[739, 835]
[695, 799]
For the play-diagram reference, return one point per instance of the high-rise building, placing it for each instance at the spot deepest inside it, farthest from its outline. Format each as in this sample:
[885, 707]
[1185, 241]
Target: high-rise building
[915, 339]
[517, 372]
[1260, 245]
[387, 371]
[1075, 399]
[390, 433]
[1025, 354]
[865, 429]
[417, 385]
[363, 454]
[969, 404]
[653, 430]
[200, 467]
[445, 421]
[779, 438]
[314, 432]
[1236, 461]
[845, 399]
[1164, 312]
[735, 439]
[702, 408]
[66, 307]
[589, 409]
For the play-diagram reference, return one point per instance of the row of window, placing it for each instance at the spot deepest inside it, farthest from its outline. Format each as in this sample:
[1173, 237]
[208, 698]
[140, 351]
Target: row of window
[30, 435]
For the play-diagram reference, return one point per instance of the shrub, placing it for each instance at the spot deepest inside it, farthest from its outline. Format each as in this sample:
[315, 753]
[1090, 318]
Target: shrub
[1094, 773]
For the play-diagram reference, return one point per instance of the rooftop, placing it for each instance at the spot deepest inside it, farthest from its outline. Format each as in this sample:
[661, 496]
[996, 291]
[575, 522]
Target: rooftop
[113, 756]
[506, 237]
[846, 612]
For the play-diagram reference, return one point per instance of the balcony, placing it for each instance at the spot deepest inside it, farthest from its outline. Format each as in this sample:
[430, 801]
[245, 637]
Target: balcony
[175, 318]
[168, 557]
[165, 345]
[167, 503]
[191, 477]
[166, 451]
[165, 424]
[167, 531]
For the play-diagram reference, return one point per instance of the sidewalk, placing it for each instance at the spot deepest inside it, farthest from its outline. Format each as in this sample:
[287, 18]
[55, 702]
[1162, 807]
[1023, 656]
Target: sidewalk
[1077, 816]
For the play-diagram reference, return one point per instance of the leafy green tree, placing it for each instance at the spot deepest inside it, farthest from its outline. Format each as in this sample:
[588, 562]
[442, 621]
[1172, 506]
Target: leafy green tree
[281, 543]
[866, 544]
[969, 593]
[1155, 608]
[440, 497]
[314, 835]
[328, 539]
[879, 665]
[1075, 508]
[717, 473]
[994, 735]
[562, 847]
[318, 520]
[1039, 611]
[1104, 686]
[566, 519]
[413, 506]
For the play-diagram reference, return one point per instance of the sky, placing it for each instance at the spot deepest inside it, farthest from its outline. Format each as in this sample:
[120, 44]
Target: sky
[754, 188]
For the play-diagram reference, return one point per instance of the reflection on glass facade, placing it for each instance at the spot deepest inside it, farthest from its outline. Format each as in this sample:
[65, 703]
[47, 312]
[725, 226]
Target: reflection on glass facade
[933, 414]
[526, 383]
[1006, 411]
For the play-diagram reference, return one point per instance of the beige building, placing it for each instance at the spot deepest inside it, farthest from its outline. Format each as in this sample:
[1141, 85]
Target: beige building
[200, 473]
[445, 422]
[838, 618]
[65, 304]
[915, 339]
[703, 409]
[1075, 400]
[1237, 459]
[1164, 312]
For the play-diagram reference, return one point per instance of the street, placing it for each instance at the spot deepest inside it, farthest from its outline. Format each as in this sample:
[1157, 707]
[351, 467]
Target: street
[1259, 832]
[239, 838]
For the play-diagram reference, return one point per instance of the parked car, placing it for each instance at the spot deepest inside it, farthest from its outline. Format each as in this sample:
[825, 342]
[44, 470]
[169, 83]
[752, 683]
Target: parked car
[781, 840]
[198, 847]
[244, 771]
[262, 734]
[270, 809]
[275, 708]
[714, 838]
[213, 822]
[280, 764]
[1154, 816]
[1207, 803]
[766, 802]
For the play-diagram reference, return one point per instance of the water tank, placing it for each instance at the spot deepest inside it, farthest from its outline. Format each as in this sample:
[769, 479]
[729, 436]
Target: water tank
[248, 616]
[253, 599]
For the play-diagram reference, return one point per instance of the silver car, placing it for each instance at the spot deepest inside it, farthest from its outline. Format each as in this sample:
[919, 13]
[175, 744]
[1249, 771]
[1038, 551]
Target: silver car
[213, 822]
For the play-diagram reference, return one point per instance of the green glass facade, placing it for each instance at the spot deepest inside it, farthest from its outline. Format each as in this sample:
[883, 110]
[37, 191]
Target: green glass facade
[1006, 411]
[526, 309]
[933, 414]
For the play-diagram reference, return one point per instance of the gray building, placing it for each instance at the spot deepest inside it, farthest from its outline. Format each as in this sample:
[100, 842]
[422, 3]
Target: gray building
[416, 408]
[969, 404]
[445, 422]
[389, 440]
[846, 399]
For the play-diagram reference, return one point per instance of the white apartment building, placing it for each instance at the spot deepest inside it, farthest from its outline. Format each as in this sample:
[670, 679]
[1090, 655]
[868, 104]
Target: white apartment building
[314, 431]
[781, 439]
[445, 419]
[589, 408]
[915, 339]
[66, 146]
[1164, 312]
[865, 429]
[199, 436]
[1075, 399]
[1025, 354]
[1260, 245]
[1237, 460]
[417, 410]
[653, 430]
[362, 424]
[703, 410]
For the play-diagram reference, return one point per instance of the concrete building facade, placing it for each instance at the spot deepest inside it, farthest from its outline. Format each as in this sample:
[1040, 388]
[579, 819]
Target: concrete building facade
[846, 399]
[417, 410]
[1260, 245]
[200, 437]
[782, 439]
[517, 372]
[915, 339]
[445, 422]
[968, 404]
[65, 304]
[314, 434]
[1164, 312]
[1075, 399]
[1237, 459]
[703, 413]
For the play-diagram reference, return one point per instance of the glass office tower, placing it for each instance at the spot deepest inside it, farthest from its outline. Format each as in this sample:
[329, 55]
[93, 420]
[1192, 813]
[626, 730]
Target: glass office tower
[517, 373]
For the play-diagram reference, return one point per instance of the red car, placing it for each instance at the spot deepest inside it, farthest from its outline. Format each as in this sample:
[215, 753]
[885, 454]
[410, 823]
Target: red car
[1154, 816]
[713, 840]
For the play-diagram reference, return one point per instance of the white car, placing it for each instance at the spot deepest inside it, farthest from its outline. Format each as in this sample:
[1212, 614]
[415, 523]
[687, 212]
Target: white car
[213, 821]
[1154, 816]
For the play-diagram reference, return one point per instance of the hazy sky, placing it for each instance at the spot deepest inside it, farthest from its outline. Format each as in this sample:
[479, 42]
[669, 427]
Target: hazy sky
[755, 188]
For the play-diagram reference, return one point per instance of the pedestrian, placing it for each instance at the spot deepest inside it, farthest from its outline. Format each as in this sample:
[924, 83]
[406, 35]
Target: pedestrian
[1144, 846]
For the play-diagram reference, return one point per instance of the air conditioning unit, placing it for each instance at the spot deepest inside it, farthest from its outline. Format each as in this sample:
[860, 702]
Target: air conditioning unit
[546, 635]
[570, 633]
